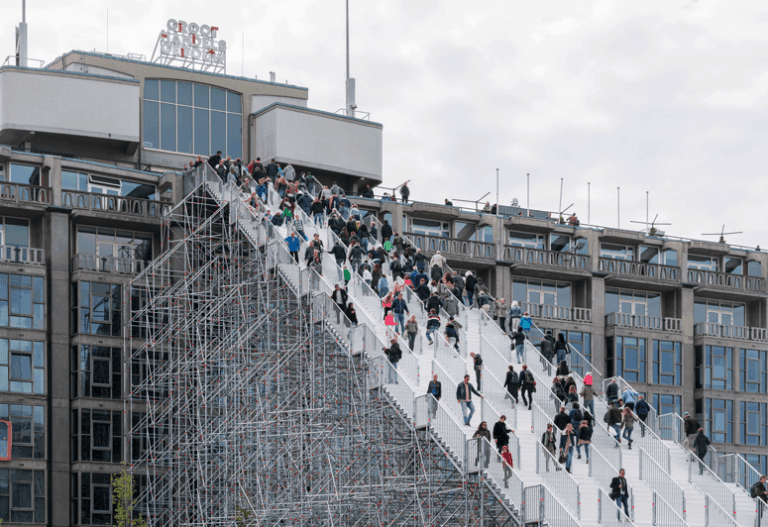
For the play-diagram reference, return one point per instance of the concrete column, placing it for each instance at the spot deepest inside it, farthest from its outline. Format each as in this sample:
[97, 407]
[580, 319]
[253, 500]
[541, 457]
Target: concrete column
[598, 323]
[54, 179]
[57, 255]
[686, 297]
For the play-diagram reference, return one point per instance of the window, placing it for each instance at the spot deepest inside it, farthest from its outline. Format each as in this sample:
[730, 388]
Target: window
[714, 367]
[754, 268]
[752, 371]
[22, 496]
[704, 263]
[667, 404]
[649, 254]
[82, 182]
[667, 363]
[98, 307]
[546, 292]
[524, 239]
[582, 343]
[114, 249]
[560, 243]
[617, 252]
[430, 228]
[28, 423]
[718, 420]
[94, 494]
[734, 265]
[630, 359]
[99, 435]
[669, 257]
[14, 232]
[465, 231]
[22, 366]
[96, 372]
[25, 174]
[632, 302]
[753, 423]
[192, 118]
[22, 301]
[724, 313]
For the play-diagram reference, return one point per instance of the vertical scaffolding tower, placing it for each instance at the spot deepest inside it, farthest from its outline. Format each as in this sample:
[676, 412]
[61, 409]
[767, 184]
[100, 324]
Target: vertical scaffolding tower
[245, 408]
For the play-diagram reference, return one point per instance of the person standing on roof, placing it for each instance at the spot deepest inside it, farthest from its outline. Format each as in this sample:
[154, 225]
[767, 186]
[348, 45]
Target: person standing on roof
[405, 192]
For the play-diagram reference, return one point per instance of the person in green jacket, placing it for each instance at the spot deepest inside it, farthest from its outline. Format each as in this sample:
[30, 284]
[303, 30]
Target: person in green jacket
[347, 275]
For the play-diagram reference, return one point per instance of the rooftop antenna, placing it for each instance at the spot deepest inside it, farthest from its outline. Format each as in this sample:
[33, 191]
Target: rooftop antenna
[722, 234]
[350, 86]
[21, 38]
[650, 228]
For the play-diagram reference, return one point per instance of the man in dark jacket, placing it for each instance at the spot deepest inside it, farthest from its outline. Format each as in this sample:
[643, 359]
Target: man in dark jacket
[394, 354]
[701, 445]
[518, 344]
[436, 389]
[527, 384]
[562, 419]
[338, 253]
[612, 392]
[272, 170]
[464, 397]
[758, 490]
[642, 409]
[422, 291]
[620, 491]
[501, 433]
[478, 365]
[420, 260]
[400, 308]
[547, 346]
[691, 427]
[339, 296]
[386, 231]
[549, 440]
[433, 302]
[368, 192]
[215, 160]
[405, 192]
[470, 282]
[512, 383]
[613, 420]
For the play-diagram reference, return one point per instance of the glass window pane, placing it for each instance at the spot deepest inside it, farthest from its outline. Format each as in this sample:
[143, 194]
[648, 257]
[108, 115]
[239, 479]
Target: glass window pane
[38, 288]
[201, 96]
[564, 294]
[185, 129]
[86, 240]
[151, 125]
[151, 90]
[69, 180]
[21, 494]
[218, 99]
[168, 127]
[201, 132]
[21, 367]
[101, 499]
[21, 301]
[168, 91]
[25, 175]
[234, 136]
[185, 93]
[219, 132]
[233, 103]
[16, 232]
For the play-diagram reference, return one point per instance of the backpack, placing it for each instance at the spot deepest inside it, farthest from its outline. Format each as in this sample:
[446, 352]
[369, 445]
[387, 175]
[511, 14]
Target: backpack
[577, 416]
[605, 417]
[753, 491]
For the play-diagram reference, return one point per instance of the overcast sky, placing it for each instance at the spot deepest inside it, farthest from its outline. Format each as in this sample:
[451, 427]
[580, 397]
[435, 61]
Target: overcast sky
[662, 96]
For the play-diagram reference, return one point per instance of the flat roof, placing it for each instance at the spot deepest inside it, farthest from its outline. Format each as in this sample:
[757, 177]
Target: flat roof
[318, 112]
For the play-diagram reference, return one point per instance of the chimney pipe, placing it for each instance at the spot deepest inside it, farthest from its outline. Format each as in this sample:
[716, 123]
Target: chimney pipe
[272, 76]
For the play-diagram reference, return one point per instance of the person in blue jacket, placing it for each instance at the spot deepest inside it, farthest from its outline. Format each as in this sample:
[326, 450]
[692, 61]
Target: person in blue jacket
[293, 246]
[525, 324]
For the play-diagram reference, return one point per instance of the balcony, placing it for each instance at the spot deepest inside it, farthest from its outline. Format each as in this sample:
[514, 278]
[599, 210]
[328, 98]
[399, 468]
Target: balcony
[644, 322]
[524, 256]
[17, 193]
[136, 207]
[108, 264]
[453, 246]
[548, 312]
[712, 329]
[726, 280]
[27, 255]
[639, 269]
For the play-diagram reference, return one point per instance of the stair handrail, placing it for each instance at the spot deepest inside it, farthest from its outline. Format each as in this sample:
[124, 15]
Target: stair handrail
[497, 472]
[709, 483]
[658, 479]
[600, 469]
[715, 515]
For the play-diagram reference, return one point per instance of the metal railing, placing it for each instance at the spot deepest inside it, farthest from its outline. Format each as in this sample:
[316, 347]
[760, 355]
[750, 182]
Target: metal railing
[659, 479]
[557, 479]
[29, 255]
[503, 475]
[452, 246]
[720, 279]
[733, 468]
[544, 508]
[707, 482]
[550, 312]
[640, 269]
[671, 427]
[446, 427]
[715, 515]
[603, 471]
[562, 260]
[108, 264]
[761, 514]
[664, 514]
[647, 322]
[449, 386]
[144, 208]
[608, 513]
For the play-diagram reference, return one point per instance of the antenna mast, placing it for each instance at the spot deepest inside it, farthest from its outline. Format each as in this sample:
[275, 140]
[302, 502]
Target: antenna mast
[21, 38]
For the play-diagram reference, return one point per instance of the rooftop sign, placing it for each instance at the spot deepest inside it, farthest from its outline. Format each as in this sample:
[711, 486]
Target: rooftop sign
[192, 46]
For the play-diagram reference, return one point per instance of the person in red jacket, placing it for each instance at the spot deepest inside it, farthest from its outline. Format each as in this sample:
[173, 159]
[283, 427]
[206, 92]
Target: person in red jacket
[506, 455]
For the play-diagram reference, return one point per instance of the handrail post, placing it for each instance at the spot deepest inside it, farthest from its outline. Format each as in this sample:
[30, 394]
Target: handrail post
[706, 509]
[653, 509]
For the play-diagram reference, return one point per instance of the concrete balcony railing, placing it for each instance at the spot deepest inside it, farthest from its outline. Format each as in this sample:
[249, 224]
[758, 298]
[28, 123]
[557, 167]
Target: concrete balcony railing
[28, 255]
[548, 312]
[17, 193]
[645, 322]
[452, 246]
[712, 329]
[719, 279]
[143, 208]
[639, 269]
[524, 255]
[108, 264]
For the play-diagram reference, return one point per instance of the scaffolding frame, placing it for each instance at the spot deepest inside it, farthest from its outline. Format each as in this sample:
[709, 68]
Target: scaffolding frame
[245, 408]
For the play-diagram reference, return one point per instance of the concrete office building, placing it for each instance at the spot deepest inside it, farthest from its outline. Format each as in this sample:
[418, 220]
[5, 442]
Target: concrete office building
[684, 321]
[92, 147]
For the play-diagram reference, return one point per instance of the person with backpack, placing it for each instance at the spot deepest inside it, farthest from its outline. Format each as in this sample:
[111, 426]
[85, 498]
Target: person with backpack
[561, 348]
[613, 419]
[629, 396]
[628, 422]
[588, 394]
[547, 346]
[512, 383]
[691, 428]
[701, 445]
[525, 324]
[518, 344]
[557, 390]
[642, 409]
[528, 384]
[758, 489]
